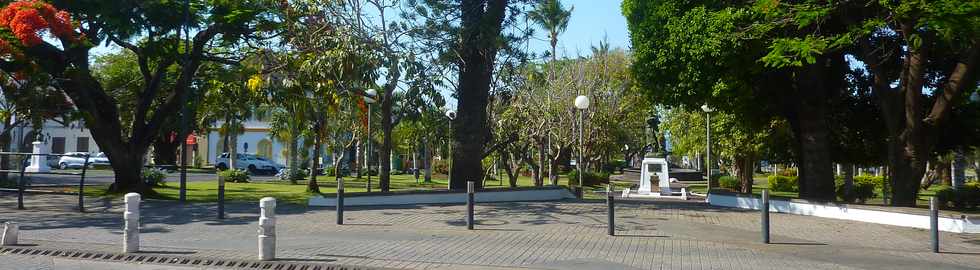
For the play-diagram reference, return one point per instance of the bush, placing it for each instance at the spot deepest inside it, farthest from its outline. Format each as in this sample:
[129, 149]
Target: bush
[783, 183]
[967, 197]
[234, 176]
[440, 166]
[729, 182]
[590, 178]
[864, 189]
[154, 177]
[614, 166]
[788, 172]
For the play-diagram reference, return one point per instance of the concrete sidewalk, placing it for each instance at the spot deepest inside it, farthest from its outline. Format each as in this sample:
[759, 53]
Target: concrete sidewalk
[545, 235]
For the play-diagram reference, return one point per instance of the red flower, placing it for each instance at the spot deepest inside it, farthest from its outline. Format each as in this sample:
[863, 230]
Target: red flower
[26, 18]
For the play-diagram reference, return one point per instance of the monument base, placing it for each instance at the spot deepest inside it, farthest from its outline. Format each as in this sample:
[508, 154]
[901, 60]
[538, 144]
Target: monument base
[682, 195]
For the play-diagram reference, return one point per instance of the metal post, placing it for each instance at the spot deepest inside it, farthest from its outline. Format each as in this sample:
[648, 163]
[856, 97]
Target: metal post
[469, 205]
[183, 116]
[267, 229]
[611, 209]
[81, 187]
[20, 186]
[765, 216]
[131, 226]
[934, 223]
[340, 199]
[707, 152]
[221, 196]
[578, 162]
[367, 156]
[449, 182]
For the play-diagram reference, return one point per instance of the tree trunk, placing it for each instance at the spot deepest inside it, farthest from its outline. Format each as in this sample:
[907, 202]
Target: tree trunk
[312, 185]
[942, 168]
[233, 150]
[480, 30]
[384, 178]
[126, 165]
[743, 167]
[293, 150]
[539, 169]
[815, 84]
[847, 171]
[427, 159]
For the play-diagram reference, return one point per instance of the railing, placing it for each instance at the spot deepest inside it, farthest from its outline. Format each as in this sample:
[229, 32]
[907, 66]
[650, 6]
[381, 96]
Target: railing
[23, 171]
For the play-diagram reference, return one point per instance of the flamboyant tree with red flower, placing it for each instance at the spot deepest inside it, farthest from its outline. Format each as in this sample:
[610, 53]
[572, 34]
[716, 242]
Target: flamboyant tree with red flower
[56, 38]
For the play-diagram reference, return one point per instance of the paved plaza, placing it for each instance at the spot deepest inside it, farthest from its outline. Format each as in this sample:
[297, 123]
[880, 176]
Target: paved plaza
[535, 235]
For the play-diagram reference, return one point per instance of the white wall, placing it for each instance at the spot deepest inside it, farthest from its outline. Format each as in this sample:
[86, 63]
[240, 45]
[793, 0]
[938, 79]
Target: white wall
[52, 129]
[963, 224]
[252, 138]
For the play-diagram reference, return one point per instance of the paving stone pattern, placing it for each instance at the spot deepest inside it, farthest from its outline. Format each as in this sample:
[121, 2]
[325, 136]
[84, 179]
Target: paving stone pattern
[536, 235]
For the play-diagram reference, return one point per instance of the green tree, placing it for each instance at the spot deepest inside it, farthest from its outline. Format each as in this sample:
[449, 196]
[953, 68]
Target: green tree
[553, 17]
[149, 30]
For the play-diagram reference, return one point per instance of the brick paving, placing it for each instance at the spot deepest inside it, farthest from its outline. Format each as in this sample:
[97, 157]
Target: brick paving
[534, 235]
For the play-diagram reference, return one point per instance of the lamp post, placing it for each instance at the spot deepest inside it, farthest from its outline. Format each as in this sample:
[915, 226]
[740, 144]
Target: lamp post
[369, 98]
[582, 103]
[451, 114]
[707, 152]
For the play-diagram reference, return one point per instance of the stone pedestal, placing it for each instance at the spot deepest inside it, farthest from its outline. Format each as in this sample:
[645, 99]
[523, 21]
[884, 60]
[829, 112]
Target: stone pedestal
[10, 231]
[267, 229]
[39, 163]
[131, 223]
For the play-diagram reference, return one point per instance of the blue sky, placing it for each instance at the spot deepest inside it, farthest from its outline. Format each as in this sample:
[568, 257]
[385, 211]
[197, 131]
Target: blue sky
[590, 20]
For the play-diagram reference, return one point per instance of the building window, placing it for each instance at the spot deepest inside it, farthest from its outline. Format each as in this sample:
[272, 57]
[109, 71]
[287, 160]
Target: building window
[82, 145]
[58, 145]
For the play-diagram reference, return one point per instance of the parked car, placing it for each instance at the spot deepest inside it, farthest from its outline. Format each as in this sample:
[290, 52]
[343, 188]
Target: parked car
[99, 159]
[75, 160]
[249, 162]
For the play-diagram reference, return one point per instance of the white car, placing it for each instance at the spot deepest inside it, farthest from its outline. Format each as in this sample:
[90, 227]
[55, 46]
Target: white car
[75, 160]
[249, 162]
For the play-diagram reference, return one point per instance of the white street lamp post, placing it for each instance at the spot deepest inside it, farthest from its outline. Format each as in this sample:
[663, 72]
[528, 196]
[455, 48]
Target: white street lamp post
[369, 98]
[707, 154]
[451, 114]
[582, 103]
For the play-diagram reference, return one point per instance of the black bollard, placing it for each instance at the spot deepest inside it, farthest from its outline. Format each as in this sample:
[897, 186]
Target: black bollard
[20, 188]
[81, 187]
[221, 202]
[340, 201]
[611, 208]
[469, 205]
[765, 216]
[934, 223]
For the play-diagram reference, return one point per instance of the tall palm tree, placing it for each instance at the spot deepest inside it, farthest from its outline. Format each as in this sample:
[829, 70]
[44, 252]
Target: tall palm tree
[553, 17]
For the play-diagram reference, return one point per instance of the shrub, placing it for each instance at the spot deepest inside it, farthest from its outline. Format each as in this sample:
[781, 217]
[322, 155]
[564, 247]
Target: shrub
[614, 166]
[788, 172]
[729, 182]
[234, 176]
[783, 183]
[864, 189]
[876, 181]
[154, 177]
[967, 197]
[590, 178]
[440, 166]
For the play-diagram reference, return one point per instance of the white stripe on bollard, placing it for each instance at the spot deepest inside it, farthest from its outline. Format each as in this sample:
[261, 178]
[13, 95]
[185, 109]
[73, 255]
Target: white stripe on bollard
[131, 223]
[267, 229]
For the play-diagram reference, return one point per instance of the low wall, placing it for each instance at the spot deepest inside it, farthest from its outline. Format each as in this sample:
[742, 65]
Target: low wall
[444, 197]
[960, 224]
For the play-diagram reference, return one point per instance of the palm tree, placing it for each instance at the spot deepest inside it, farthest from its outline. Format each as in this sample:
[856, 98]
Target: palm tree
[553, 17]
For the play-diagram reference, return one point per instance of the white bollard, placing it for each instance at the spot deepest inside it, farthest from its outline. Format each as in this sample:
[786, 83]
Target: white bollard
[10, 231]
[131, 223]
[267, 229]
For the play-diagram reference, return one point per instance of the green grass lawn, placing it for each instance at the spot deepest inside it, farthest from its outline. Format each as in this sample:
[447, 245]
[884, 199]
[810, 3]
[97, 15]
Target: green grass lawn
[296, 193]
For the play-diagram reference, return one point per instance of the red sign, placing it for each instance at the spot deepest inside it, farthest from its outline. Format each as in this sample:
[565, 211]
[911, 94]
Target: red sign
[191, 139]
